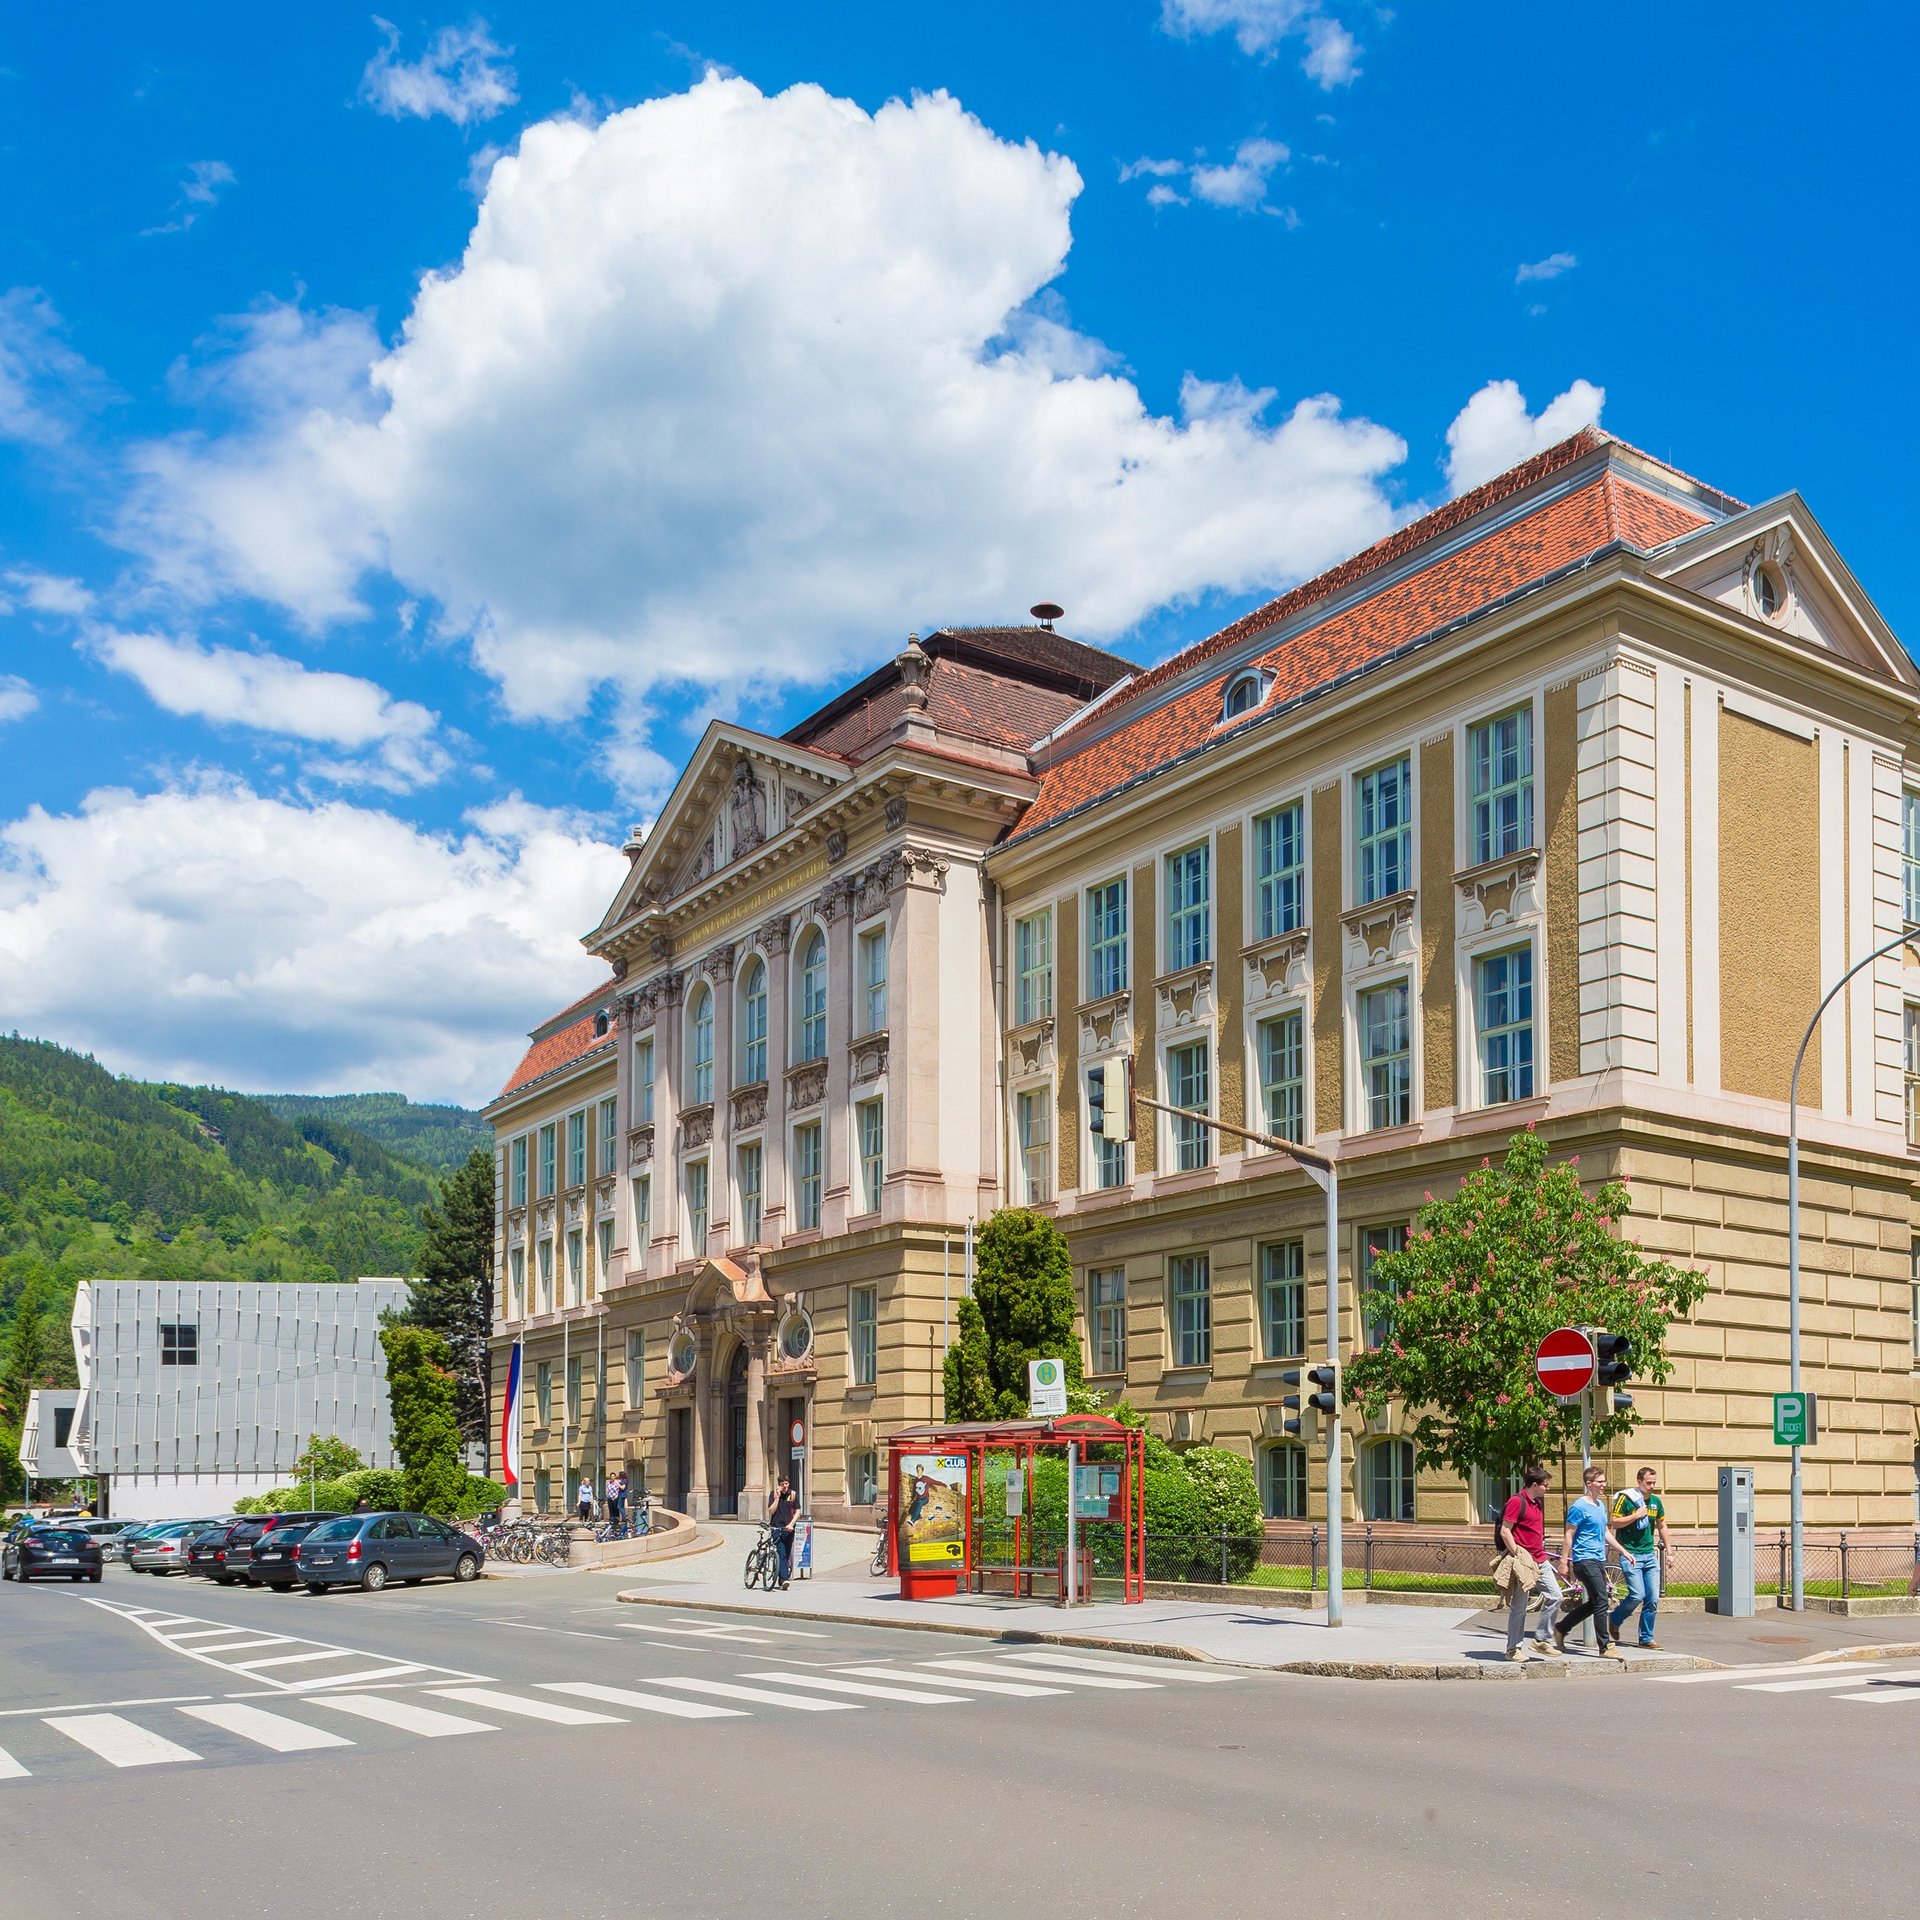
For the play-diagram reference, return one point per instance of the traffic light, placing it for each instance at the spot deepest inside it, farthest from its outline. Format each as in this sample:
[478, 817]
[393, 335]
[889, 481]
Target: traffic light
[1291, 1401]
[1325, 1401]
[1615, 1354]
[1110, 1100]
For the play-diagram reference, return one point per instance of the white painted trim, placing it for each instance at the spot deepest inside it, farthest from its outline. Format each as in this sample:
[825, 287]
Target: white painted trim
[1706, 885]
[1671, 692]
[1752, 707]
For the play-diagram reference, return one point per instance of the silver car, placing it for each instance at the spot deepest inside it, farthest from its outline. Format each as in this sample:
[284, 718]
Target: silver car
[166, 1550]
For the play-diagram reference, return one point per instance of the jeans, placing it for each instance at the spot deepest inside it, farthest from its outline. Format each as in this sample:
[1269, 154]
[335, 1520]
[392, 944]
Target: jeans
[1643, 1591]
[783, 1547]
[1592, 1604]
[1551, 1593]
[616, 1510]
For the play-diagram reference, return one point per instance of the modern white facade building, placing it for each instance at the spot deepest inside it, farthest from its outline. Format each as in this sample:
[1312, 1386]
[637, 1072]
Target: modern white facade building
[44, 1435]
[193, 1395]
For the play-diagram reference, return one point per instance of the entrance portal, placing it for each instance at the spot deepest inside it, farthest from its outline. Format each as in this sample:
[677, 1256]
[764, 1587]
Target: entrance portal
[737, 1431]
[679, 1457]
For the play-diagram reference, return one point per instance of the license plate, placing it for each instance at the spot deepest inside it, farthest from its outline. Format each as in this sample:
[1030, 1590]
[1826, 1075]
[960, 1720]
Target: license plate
[65, 1560]
[321, 1560]
[266, 1556]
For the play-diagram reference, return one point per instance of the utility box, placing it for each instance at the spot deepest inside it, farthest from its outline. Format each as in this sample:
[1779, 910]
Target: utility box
[1736, 1543]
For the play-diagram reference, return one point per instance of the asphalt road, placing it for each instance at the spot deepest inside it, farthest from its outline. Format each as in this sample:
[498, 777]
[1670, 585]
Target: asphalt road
[392, 1754]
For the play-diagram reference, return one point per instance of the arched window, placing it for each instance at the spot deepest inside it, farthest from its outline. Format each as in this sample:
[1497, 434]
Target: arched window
[1242, 695]
[1283, 1483]
[753, 1024]
[813, 997]
[1386, 1480]
[700, 1048]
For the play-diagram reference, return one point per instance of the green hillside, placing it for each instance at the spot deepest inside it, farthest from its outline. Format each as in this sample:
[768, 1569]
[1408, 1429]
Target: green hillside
[437, 1137]
[121, 1179]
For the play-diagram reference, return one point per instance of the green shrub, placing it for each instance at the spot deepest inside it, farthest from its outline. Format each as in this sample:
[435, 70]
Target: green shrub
[480, 1496]
[1223, 1483]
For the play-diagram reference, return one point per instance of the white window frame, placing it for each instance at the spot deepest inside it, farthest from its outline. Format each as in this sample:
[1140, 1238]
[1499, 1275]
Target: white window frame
[1282, 1270]
[809, 1187]
[1366, 845]
[1186, 924]
[636, 1370]
[643, 1081]
[576, 1266]
[543, 1261]
[602, 1253]
[609, 1123]
[1103, 939]
[1033, 967]
[1103, 1157]
[1033, 1143]
[543, 1394]
[1242, 694]
[700, 1026]
[1490, 837]
[696, 1187]
[517, 1159]
[1264, 1118]
[1910, 1065]
[1296, 1489]
[753, 1192]
[870, 1147]
[1400, 1451]
[863, 1336]
[1373, 1241]
[1190, 1345]
[577, 1148]
[754, 1001]
[1185, 1140]
[1272, 915]
[1107, 1322]
[810, 998]
[1365, 1107]
[517, 1281]
[1910, 855]
[870, 965]
[549, 1174]
[1484, 1033]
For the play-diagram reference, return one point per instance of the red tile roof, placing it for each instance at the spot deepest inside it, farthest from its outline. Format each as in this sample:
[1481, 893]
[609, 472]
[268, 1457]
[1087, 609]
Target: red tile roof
[1510, 555]
[563, 1040]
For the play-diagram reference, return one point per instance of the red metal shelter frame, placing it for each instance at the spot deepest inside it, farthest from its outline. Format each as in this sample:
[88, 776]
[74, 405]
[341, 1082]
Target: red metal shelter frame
[1024, 1439]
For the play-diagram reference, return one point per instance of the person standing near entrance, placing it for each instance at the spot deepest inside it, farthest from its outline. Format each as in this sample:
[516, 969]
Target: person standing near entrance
[1639, 1522]
[1584, 1555]
[1523, 1529]
[617, 1499]
[585, 1499]
[781, 1515]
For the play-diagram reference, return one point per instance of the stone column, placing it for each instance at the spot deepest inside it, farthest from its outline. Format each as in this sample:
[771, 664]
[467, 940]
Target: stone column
[773, 1167]
[669, 995]
[917, 880]
[718, 967]
[624, 1255]
[836, 911]
[753, 1497]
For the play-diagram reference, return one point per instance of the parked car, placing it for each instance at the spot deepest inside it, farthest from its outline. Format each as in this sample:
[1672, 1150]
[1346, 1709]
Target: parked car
[34, 1552]
[370, 1549]
[245, 1536]
[105, 1531]
[121, 1546]
[272, 1562]
[207, 1551]
[164, 1550]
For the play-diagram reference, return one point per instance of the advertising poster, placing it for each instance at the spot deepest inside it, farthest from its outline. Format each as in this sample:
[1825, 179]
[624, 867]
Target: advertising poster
[1096, 1493]
[933, 1509]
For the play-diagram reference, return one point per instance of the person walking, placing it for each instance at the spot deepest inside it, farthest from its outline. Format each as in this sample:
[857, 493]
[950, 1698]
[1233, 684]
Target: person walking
[1523, 1530]
[1583, 1554]
[617, 1500]
[784, 1511]
[585, 1499]
[1639, 1522]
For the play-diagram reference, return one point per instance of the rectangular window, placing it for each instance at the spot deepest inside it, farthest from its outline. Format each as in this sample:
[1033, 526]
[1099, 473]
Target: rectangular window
[1283, 1300]
[1911, 1055]
[636, 1369]
[1283, 1076]
[549, 1159]
[1283, 1483]
[542, 1490]
[1109, 1162]
[1383, 830]
[1190, 1284]
[1189, 898]
[1107, 1319]
[576, 1266]
[1386, 1055]
[1032, 968]
[609, 1136]
[1279, 871]
[642, 1212]
[1910, 856]
[1913, 1258]
[517, 1276]
[863, 1477]
[1106, 939]
[697, 1208]
[870, 1116]
[1188, 1080]
[864, 1321]
[806, 1177]
[545, 1263]
[873, 980]
[603, 1255]
[517, 1162]
[751, 1160]
[1375, 1244]
[573, 1390]
[1503, 1006]
[1500, 785]
[543, 1391]
[179, 1343]
[1034, 1115]
[643, 1082]
[576, 1149]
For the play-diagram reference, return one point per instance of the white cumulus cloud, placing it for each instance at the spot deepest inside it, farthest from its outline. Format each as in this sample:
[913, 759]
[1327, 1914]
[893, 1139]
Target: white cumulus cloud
[17, 698]
[1262, 27]
[52, 593]
[1494, 430]
[214, 934]
[730, 388]
[1551, 268]
[1242, 181]
[462, 75]
[42, 379]
[272, 694]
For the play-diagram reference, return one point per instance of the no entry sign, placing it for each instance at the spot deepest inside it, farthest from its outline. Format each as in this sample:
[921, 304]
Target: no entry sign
[1566, 1363]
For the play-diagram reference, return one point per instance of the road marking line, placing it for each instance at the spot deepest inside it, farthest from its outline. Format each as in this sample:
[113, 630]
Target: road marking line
[1080, 1664]
[1880, 1697]
[200, 1633]
[10, 1768]
[362, 1678]
[1826, 1681]
[1018, 1689]
[253, 1646]
[1734, 1675]
[647, 1702]
[273, 1730]
[722, 1633]
[1065, 1679]
[533, 1709]
[917, 1696]
[298, 1659]
[408, 1717]
[722, 1691]
[100, 1706]
[118, 1742]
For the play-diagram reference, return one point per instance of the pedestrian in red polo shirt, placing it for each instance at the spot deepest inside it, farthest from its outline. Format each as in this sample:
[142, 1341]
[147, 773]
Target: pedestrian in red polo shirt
[1523, 1529]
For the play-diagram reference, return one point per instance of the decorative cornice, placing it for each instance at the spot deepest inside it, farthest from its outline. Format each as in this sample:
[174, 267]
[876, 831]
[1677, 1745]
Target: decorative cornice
[718, 965]
[749, 1104]
[696, 1127]
[869, 1056]
[806, 1085]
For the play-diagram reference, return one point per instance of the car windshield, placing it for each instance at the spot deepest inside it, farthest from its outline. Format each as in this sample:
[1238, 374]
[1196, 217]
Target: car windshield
[59, 1542]
[342, 1529]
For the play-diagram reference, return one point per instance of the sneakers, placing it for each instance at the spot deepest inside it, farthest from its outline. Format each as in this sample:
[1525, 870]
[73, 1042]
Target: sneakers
[1518, 1653]
[1612, 1651]
[1559, 1640]
[1651, 1646]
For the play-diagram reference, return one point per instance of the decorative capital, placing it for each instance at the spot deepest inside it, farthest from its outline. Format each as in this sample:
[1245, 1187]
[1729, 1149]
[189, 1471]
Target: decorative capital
[775, 933]
[718, 965]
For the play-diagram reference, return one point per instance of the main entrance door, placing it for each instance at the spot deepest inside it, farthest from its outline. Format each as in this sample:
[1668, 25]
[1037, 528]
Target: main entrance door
[737, 1430]
[679, 1457]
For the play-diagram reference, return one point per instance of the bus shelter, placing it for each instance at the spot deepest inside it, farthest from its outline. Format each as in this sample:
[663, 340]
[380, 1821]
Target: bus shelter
[961, 1501]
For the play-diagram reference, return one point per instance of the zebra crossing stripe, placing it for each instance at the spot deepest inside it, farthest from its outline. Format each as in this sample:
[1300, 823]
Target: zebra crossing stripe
[408, 1717]
[1198, 1676]
[646, 1702]
[1827, 1681]
[119, 1742]
[1882, 1696]
[916, 1696]
[1066, 1679]
[721, 1690]
[548, 1710]
[1016, 1689]
[10, 1768]
[271, 1730]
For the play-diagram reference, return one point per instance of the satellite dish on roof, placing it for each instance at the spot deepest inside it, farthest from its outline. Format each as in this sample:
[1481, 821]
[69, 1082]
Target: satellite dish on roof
[1046, 613]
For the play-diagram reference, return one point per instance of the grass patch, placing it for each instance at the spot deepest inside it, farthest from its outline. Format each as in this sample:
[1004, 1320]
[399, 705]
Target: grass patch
[1355, 1579]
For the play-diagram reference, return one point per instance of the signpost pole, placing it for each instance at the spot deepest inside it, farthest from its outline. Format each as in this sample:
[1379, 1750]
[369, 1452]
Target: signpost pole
[1073, 1455]
[1586, 1460]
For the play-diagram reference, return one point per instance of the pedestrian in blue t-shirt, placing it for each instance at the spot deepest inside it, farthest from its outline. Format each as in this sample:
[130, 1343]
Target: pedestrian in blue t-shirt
[1584, 1556]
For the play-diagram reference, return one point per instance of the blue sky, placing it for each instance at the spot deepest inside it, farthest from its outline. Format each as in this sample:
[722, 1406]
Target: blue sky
[412, 429]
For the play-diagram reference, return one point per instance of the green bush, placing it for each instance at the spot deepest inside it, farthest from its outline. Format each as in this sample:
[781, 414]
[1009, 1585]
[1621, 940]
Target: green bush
[1223, 1482]
[480, 1496]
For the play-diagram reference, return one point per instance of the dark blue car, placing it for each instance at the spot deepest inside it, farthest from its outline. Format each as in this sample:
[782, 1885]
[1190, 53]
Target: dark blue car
[370, 1549]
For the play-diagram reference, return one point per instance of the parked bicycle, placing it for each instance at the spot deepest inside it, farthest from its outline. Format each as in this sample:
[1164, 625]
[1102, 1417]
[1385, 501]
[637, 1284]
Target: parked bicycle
[878, 1565]
[763, 1561]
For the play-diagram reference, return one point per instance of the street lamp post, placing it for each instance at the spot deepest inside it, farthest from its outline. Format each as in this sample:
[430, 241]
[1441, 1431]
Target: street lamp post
[1903, 938]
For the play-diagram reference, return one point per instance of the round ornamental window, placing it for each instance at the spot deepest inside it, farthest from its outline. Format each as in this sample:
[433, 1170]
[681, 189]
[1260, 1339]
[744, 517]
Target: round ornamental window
[796, 1336]
[1766, 593]
[682, 1352]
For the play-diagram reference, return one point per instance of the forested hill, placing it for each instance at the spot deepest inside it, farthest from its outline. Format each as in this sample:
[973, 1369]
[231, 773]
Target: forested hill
[122, 1179]
[438, 1137]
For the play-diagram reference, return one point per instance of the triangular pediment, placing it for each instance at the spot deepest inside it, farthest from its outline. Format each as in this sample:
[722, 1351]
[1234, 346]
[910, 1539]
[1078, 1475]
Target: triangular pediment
[1775, 564]
[738, 793]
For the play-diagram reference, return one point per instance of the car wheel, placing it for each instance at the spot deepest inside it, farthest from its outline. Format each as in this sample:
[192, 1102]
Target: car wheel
[466, 1568]
[316, 1586]
[101, 1575]
[281, 1586]
[76, 1577]
[373, 1579]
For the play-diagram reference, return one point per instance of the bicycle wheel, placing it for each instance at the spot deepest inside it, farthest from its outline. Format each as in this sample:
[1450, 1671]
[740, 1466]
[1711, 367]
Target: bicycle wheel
[763, 1570]
[562, 1545]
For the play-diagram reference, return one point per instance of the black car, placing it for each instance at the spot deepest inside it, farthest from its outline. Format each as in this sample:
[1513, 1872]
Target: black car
[35, 1552]
[370, 1549]
[244, 1537]
[207, 1552]
[271, 1560]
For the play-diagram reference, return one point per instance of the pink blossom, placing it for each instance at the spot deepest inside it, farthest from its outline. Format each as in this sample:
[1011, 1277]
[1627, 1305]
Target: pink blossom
[1501, 1400]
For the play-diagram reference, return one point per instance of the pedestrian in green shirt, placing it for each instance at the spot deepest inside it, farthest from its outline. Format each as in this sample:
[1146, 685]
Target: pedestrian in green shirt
[1639, 1525]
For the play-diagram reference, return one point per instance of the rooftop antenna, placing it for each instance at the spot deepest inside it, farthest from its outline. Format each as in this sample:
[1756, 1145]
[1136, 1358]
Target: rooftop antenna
[1047, 613]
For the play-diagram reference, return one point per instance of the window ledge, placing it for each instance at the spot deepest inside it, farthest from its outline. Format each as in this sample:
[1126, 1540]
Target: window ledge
[1121, 1375]
[1404, 1134]
[1186, 1376]
[1269, 1367]
[803, 1236]
[1186, 1182]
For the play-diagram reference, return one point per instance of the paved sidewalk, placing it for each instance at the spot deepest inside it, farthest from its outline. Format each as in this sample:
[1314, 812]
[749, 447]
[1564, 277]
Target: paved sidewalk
[1377, 1642]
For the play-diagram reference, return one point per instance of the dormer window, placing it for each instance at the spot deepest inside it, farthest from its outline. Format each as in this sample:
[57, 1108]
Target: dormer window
[1766, 593]
[1244, 692]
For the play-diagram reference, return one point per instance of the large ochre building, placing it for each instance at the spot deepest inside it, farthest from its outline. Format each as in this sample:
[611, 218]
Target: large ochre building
[1561, 807]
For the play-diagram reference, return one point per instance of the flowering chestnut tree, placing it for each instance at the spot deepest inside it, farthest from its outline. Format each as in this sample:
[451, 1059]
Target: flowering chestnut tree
[1521, 1249]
